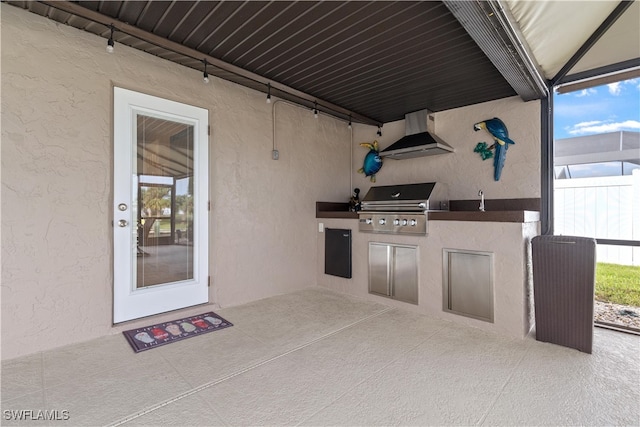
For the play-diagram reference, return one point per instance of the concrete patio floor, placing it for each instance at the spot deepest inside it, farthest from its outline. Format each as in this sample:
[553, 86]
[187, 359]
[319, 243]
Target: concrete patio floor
[316, 357]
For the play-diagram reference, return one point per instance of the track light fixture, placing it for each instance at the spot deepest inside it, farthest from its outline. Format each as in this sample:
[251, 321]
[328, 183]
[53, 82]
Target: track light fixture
[205, 75]
[315, 109]
[349, 126]
[110, 42]
[268, 93]
[379, 130]
[303, 100]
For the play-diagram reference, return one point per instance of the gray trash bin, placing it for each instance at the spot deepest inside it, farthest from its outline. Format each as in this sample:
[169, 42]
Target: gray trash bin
[563, 290]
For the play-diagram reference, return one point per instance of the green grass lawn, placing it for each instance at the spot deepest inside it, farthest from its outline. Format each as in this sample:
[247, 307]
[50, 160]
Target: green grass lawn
[619, 284]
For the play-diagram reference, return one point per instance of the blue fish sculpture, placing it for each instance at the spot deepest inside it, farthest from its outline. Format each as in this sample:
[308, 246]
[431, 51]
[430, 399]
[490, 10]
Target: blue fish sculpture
[500, 134]
[372, 161]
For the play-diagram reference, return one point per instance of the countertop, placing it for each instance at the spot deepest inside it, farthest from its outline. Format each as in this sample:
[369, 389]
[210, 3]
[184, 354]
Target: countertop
[334, 210]
[491, 216]
[508, 213]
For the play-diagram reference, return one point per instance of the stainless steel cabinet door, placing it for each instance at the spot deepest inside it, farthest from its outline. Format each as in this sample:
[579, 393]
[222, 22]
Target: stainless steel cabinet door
[393, 271]
[405, 274]
[468, 283]
[379, 269]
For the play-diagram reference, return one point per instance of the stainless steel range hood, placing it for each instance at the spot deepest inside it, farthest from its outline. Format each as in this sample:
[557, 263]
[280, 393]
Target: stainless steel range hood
[419, 140]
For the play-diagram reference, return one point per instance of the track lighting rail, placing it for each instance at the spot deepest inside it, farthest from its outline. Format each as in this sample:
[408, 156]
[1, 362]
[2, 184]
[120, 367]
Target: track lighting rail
[301, 97]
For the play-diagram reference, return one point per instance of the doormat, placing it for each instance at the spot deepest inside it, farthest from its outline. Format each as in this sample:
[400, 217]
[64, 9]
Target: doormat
[165, 333]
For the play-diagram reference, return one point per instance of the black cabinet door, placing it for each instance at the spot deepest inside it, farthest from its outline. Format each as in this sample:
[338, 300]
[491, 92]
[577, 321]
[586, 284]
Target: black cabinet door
[337, 252]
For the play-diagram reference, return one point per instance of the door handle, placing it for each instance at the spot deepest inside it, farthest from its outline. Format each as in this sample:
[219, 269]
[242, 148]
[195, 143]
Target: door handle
[123, 223]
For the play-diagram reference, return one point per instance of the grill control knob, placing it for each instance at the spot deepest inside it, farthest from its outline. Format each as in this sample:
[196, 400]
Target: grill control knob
[382, 221]
[413, 222]
[396, 222]
[404, 222]
[368, 221]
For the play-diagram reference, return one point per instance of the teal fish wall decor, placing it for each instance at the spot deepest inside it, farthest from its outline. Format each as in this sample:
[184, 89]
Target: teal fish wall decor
[372, 161]
[500, 134]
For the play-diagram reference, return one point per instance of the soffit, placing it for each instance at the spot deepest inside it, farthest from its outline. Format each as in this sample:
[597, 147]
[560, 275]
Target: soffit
[376, 59]
[379, 59]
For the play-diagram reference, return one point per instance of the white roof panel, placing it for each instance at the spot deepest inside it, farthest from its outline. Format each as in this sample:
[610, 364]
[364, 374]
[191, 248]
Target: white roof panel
[620, 43]
[555, 31]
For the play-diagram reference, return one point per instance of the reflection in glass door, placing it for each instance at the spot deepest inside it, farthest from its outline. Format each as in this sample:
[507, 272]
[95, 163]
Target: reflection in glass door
[165, 202]
[160, 205]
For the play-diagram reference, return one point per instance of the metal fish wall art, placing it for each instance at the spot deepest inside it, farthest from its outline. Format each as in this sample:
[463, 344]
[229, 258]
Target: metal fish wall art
[372, 161]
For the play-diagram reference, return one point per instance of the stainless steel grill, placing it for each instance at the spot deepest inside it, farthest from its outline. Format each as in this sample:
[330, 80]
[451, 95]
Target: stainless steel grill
[401, 209]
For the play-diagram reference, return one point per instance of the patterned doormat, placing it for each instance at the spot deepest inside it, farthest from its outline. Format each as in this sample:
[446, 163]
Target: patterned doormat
[165, 333]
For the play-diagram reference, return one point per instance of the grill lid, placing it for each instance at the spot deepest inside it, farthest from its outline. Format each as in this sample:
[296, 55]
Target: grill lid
[406, 192]
[413, 197]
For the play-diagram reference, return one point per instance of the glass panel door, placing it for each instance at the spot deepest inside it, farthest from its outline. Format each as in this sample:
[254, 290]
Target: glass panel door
[160, 205]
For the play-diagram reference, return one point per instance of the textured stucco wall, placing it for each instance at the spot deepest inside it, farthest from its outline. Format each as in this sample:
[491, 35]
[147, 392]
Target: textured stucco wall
[57, 173]
[464, 172]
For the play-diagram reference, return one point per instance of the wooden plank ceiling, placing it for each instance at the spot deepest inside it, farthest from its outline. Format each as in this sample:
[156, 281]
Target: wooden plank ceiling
[378, 59]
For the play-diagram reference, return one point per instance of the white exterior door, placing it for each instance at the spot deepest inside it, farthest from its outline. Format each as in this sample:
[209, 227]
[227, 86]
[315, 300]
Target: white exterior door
[160, 206]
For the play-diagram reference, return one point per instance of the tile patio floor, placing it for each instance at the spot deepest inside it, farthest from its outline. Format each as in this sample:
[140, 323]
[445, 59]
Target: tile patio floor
[316, 357]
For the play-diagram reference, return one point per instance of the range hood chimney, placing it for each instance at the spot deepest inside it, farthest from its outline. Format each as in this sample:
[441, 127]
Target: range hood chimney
[419, 140]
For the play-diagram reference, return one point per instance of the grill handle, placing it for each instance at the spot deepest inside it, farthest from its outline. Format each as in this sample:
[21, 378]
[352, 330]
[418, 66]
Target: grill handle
[394, 206]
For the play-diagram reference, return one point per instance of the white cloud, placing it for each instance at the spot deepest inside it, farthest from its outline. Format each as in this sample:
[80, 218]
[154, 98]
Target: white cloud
[587, 124]
[594, 127]
[614, 88]
[586, 92]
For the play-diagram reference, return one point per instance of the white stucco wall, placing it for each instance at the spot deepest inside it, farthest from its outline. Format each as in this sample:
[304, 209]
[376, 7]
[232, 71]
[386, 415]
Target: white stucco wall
[464, 172]
[57, 173]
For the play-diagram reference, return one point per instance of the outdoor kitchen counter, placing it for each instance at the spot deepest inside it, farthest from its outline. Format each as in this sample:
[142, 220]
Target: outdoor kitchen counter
[515, 210]
[504, 234]
[496, 210]
[334, 210]
[487, 216]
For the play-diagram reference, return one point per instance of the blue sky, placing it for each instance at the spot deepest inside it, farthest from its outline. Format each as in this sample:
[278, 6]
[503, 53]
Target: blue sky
[601, 109]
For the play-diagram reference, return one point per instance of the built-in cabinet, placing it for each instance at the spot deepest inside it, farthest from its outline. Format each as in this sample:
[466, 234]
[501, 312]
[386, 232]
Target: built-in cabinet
[393, 271]
[490, 266]
[337, 252]
[468, 283]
